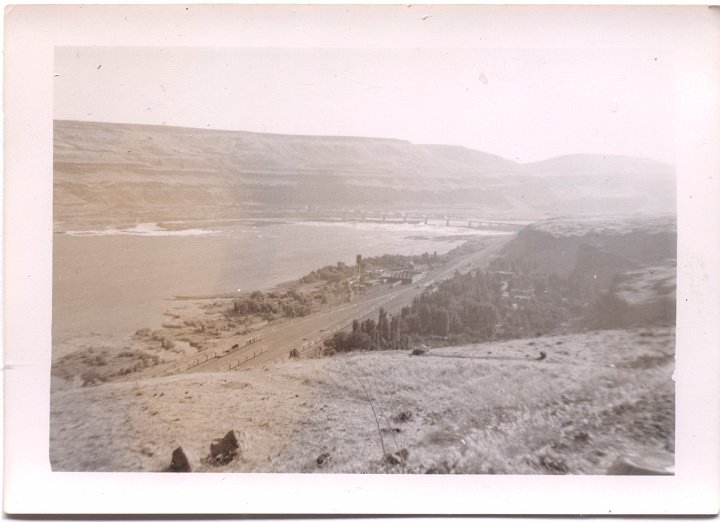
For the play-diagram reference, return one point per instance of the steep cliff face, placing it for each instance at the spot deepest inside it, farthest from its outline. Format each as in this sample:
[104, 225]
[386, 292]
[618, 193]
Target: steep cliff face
[596, 245]
[625, 265]
[105, 172]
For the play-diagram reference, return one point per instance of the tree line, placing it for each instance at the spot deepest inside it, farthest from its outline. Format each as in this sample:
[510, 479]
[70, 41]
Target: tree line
[504, 301]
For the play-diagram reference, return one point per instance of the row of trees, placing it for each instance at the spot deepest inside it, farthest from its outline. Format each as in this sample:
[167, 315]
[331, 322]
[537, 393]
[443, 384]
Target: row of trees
[383, 334]
[475, 306]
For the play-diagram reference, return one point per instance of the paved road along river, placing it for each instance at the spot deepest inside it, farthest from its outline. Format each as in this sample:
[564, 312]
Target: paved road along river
[276, 342]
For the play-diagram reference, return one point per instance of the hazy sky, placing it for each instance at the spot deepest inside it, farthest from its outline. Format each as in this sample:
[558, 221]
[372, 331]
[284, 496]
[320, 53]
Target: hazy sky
[523, 104]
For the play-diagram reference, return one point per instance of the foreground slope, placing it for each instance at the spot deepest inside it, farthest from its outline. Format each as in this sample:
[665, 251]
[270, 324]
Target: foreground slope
[501, 407]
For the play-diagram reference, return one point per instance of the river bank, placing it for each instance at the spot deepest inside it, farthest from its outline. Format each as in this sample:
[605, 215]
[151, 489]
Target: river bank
[114, 282]
[192, 329]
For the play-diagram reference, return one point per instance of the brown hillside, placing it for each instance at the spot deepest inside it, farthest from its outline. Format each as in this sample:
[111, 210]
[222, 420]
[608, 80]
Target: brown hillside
[108, 173]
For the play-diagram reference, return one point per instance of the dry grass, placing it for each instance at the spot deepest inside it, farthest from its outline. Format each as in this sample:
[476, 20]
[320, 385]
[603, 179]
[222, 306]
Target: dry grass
[594, 398]
[134, 426]
[575, 412]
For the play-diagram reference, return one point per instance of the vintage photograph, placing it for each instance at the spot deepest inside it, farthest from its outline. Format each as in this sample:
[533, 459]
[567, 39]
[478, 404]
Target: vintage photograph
[363, 260]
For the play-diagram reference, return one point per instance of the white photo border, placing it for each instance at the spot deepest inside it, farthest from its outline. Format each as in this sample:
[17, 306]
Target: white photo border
[690, 33]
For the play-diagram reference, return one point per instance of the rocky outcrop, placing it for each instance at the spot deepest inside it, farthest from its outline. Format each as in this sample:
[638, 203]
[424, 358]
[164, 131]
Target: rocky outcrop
[224, 450]
[179, 462]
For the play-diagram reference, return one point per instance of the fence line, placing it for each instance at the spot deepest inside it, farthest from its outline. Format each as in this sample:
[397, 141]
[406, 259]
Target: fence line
[179, 367]
[238, 362]
[311, 344]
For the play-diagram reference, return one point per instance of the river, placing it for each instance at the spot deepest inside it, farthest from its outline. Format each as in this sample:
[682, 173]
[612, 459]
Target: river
[114, 281]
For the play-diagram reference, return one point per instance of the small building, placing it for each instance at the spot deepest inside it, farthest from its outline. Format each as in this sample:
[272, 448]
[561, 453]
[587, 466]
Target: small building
[405, 277]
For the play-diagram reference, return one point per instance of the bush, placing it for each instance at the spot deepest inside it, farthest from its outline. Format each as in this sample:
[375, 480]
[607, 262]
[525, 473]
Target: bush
[348, 342]
[253, 304]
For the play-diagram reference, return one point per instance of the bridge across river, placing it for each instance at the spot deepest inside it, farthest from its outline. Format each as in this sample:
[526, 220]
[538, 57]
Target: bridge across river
[457, 219]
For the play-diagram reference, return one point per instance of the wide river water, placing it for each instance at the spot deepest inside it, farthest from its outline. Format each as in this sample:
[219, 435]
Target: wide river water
[112, 282]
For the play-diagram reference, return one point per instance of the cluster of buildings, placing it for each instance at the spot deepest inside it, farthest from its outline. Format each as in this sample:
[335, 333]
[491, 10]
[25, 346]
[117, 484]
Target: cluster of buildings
[366, 278]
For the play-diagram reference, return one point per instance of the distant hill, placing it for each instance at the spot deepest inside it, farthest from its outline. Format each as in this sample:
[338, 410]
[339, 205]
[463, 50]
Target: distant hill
[110, 173]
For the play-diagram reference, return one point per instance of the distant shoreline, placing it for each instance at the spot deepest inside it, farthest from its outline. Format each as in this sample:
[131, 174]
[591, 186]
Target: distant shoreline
[187, 227]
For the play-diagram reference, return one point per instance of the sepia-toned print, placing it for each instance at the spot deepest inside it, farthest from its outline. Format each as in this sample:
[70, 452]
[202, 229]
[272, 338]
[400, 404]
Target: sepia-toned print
[453, 261]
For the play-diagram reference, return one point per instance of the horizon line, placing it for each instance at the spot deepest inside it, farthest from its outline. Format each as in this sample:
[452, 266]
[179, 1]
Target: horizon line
[358, 137]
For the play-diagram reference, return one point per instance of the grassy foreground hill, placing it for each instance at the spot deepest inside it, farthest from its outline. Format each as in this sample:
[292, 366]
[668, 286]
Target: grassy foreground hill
[594, 399]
